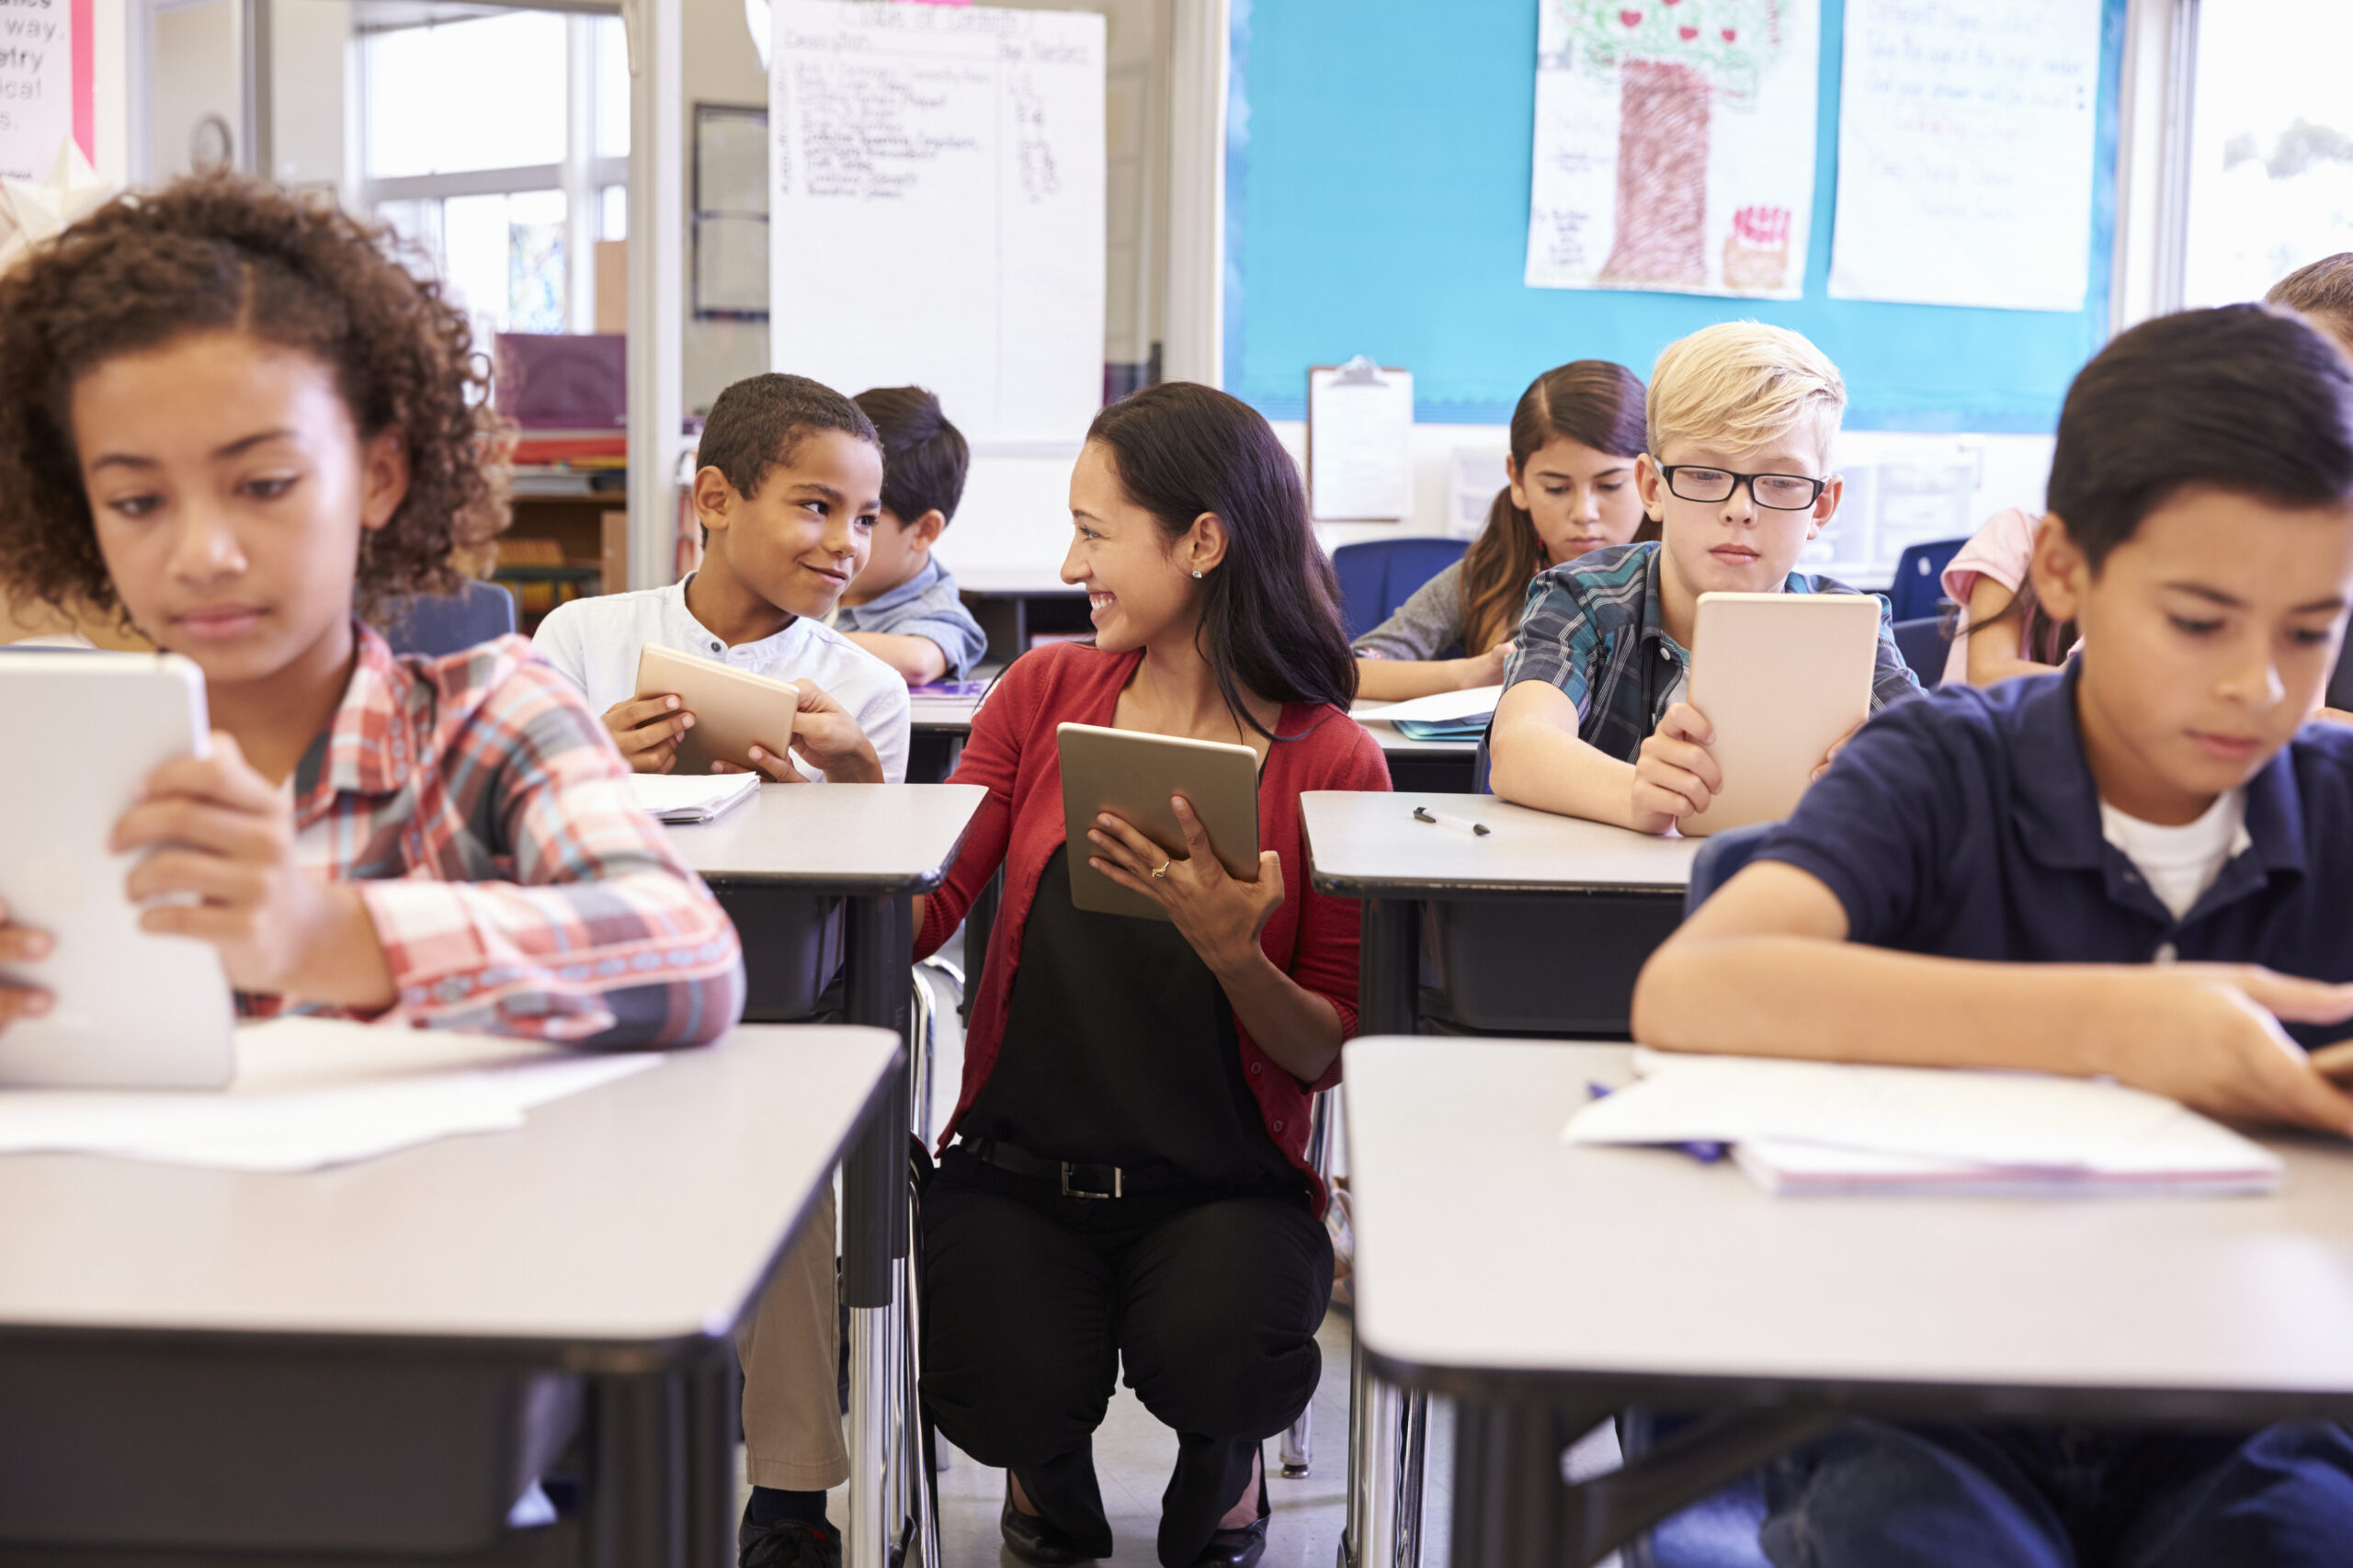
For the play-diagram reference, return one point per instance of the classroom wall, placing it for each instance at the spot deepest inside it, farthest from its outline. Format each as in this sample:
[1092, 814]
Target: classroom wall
[720, 65]
[194, 71]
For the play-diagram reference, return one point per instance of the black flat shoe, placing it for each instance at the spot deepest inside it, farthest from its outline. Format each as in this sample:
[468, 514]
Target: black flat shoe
[1035, 1541]
[1242, 1548]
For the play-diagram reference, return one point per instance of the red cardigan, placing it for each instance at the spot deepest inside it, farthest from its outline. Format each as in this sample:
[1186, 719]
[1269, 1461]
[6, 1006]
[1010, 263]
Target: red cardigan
[1012, 752]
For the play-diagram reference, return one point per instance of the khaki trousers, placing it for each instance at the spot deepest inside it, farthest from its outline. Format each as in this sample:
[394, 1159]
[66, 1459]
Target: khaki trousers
[790, 1350]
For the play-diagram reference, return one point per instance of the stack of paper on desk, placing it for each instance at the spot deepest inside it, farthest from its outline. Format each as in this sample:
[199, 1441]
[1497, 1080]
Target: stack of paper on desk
[314, 1092]
[1826, 1127]
[1448, 716]
[692, 797]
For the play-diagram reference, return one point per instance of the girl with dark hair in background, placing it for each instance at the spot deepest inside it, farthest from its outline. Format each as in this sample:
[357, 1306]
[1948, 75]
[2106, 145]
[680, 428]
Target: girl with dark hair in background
[1574, 436]
[1162, 1069]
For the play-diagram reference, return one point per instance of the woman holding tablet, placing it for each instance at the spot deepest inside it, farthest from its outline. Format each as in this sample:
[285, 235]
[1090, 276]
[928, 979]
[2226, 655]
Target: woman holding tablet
[1128, 1178]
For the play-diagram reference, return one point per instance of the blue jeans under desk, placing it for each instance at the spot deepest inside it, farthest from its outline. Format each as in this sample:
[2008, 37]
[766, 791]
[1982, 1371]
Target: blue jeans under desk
[1878, 1495]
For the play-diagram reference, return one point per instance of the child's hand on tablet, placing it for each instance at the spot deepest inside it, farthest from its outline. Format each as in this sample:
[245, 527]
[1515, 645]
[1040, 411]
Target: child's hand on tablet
[21, 944]
[647, 730]
[223, 871]
[829, 736]
[1220, 916]
[1674, 775]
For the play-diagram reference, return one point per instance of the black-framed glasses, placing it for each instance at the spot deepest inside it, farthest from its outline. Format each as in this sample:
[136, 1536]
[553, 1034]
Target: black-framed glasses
[1780, 492]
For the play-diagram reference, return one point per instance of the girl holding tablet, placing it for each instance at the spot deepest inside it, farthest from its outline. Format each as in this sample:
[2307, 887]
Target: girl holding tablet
[1164, 1066]
[230, 416]
[1574, 436]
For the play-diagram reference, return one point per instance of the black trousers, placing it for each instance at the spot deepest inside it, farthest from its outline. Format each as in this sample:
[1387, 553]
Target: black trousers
[1033, 1300]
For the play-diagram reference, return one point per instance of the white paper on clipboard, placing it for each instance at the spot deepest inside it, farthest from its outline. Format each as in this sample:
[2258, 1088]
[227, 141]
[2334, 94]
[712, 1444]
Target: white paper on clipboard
[1359, 443]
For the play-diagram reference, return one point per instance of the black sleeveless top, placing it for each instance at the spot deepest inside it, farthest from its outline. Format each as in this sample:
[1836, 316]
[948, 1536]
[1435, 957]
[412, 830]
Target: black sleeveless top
[1119, 1048]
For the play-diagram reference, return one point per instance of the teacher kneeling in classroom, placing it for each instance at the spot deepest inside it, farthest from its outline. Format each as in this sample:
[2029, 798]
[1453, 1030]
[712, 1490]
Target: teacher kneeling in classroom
[1170, 1062]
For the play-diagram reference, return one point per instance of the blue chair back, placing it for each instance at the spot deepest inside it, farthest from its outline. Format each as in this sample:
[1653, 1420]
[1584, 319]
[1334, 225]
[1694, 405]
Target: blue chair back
[1923, 644]
[1380, 575]
[1919, 588]
[1720, 859]
[1717, 1531]
[433, 627]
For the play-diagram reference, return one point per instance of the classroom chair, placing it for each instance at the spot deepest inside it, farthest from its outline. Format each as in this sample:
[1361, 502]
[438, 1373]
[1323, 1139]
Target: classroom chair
[1380, 575]
[1919, 588]
[1923, 645]
[476, 613]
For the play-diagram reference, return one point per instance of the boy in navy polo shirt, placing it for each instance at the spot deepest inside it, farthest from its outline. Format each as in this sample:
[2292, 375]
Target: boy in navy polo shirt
[2138, 867]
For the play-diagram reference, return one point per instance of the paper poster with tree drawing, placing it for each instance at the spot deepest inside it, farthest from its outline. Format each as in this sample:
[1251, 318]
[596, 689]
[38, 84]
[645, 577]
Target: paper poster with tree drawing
[1674, 145]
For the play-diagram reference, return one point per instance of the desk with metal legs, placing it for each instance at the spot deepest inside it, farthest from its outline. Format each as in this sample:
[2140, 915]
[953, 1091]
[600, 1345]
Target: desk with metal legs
[1663, 1282]
[876, 846]
[366, 1365]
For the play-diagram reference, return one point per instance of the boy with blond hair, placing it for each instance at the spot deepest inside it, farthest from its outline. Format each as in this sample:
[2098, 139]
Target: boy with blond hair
[1593, 722]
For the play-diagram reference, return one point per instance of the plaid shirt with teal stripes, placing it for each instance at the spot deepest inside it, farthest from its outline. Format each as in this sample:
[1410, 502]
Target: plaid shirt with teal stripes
[1594, 628]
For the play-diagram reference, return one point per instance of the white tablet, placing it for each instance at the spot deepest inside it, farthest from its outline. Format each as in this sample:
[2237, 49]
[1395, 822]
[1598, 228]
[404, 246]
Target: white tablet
[130, 1009]
[1779, 677]
[734, 710]
[1131, 775]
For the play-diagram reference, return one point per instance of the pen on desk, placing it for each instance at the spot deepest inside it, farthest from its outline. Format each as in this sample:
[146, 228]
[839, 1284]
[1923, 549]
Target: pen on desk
[1705, 1150]
[1459, 824]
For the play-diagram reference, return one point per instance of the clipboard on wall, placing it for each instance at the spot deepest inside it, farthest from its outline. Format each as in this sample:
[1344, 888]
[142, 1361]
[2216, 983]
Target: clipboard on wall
[1359, 442]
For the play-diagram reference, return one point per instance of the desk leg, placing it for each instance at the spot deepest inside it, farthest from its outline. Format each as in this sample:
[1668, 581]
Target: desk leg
[1514, 1510]
[879, 944]
[1389, 972]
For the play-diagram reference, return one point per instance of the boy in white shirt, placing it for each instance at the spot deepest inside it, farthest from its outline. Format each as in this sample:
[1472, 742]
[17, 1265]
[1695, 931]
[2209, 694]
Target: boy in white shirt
[789, 490]
[787, 493]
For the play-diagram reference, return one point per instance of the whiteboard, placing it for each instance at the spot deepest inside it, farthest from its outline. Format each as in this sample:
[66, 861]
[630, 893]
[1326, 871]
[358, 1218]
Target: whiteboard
[937, 208]
[1966, 131]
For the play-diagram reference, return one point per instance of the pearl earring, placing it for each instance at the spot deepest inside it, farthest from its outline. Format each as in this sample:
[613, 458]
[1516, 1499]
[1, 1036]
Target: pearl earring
[1197, 574]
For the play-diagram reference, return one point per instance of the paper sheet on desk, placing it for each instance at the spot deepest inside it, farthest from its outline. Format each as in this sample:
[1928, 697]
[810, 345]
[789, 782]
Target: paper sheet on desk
[1912, 1128]
[311, 1093]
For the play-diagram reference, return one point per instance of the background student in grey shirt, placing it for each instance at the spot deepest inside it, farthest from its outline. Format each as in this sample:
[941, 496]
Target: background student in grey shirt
[904, 608]
[1574, 440]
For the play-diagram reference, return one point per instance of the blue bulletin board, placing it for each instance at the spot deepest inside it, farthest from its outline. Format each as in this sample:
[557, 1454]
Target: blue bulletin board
[1378, 158]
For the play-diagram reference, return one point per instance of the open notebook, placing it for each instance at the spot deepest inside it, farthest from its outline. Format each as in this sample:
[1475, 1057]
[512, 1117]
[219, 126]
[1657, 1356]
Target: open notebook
[1826, 1127]
[1448, 716]
[692, 797]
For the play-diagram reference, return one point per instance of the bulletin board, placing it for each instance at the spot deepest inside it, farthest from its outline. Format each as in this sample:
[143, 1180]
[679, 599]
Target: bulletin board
[1378, 164]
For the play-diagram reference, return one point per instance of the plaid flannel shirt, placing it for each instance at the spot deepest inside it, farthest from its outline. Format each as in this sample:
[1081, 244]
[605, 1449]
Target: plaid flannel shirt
[1594, 628]
[512, 880]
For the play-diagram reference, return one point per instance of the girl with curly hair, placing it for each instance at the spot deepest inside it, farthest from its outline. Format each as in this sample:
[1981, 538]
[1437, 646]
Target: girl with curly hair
[231, 418]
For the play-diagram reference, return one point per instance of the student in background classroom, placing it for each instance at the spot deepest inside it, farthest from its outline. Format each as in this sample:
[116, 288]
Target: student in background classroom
[788, 494]
[1593, 722]
[2136, 868]
[229, 415]
[2323, 292]
[902, 608]
[1170, 1064]
[1570, 489]
[1999, 628]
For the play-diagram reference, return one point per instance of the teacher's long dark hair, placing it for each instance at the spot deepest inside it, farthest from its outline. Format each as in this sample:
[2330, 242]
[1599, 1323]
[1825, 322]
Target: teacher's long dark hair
[1270, 619]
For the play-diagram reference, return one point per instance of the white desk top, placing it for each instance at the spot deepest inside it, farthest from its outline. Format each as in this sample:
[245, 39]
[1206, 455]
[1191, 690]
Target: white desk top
[1482, 1244]
[942, 713]
[840, 839]
[637, 1214]
[1368, 715]
[1369, 845]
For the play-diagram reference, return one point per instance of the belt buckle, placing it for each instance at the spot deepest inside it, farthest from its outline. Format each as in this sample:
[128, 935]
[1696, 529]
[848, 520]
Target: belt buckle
[1069, 1191]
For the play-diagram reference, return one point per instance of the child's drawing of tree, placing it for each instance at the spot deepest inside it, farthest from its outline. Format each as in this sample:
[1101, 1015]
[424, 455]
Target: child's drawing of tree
[1672, 58]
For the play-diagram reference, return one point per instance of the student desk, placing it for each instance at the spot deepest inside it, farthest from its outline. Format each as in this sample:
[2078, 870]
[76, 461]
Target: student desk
[1445, 766]
[1541, 926]
[376, 1360]
[874, 846]
[1657, 1280]
[935, 730]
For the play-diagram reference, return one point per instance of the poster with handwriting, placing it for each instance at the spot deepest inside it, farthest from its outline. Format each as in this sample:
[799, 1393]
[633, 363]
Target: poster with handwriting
[1965, 153]
[1674, 145]
[45, 84]
[937, 208]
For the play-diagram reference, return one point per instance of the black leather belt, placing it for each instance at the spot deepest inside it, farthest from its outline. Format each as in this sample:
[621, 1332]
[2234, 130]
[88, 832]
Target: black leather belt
[1076, 1180]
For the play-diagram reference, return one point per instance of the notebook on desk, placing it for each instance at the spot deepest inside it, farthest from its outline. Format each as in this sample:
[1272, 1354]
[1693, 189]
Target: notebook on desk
[1823, 1127]
[692, 797]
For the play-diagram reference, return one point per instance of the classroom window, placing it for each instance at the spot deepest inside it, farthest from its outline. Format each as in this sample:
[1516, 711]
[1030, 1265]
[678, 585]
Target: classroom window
[498, 201]
[2271, 177]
